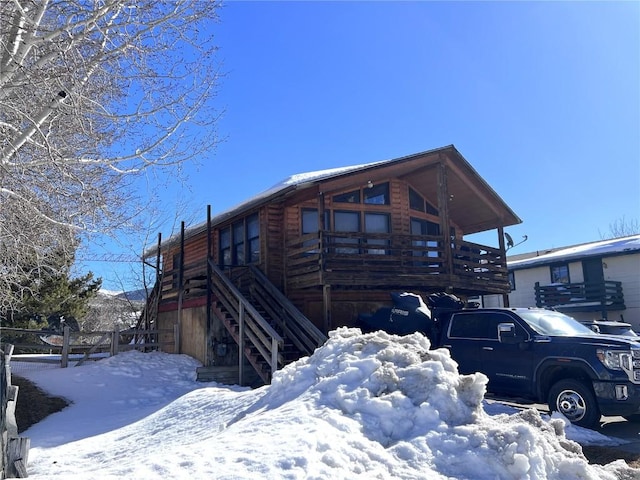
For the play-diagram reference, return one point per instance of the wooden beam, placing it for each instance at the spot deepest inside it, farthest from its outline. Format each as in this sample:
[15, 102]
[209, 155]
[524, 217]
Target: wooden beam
[326, 304]
[443, 207]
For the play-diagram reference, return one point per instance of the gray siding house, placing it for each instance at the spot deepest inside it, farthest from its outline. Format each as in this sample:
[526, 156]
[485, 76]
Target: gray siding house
[591, 281]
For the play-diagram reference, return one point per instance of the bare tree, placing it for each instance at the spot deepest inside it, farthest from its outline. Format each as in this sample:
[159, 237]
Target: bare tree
[622, 227]
[92, 94]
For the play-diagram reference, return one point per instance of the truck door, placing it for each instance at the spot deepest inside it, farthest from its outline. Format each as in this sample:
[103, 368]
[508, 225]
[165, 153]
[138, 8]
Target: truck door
[474, 344]
[509, 366]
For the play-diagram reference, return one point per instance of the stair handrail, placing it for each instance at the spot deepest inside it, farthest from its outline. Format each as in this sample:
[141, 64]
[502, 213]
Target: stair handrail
[244, 304]
[304, 333]
[149, 311]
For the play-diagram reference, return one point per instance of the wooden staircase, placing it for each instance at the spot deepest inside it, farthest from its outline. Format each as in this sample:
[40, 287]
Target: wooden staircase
[270, 329]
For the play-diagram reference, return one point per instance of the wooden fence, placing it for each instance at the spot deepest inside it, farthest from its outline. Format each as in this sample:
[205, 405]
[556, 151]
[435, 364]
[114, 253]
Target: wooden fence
[80, 346]
[14, 450]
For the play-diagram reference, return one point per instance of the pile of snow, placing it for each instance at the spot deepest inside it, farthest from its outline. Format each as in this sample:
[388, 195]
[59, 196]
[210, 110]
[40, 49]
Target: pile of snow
[372, 406]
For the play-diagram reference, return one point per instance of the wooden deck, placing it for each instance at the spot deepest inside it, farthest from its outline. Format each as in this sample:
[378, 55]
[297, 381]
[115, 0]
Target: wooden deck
[355, 260]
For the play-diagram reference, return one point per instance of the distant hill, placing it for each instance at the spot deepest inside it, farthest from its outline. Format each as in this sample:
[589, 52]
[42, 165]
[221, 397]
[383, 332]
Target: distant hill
[139, 295]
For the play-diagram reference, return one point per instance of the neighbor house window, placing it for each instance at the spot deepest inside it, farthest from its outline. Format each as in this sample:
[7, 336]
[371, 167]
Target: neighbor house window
[512, 280]
[560, 273]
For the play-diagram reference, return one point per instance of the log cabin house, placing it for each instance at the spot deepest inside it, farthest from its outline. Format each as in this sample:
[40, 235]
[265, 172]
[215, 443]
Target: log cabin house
[262, 284]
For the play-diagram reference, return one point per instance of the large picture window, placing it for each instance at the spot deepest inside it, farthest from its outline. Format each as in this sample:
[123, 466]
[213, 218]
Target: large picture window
[346, 222]
[376, 223]
[425, 247]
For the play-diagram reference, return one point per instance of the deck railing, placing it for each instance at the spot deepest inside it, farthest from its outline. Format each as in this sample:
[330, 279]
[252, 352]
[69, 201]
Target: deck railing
[392, 253]
[602, 296]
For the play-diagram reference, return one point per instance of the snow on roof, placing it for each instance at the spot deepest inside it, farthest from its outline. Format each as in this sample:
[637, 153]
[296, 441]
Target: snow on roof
[594, 249]
[290, 183]
[296, 180]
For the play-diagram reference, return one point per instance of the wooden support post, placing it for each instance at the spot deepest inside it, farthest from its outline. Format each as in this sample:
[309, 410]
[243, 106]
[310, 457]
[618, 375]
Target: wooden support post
[241, 345]
[17, 457]
[180, 286]
[115, 341]
[443, 207]
[326, 304]
[64, 360]
[503, 259]
[176, 338]
[208, 344]
[274, 356]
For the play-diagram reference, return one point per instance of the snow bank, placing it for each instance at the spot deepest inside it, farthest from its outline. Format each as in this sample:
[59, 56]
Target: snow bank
[372, 406]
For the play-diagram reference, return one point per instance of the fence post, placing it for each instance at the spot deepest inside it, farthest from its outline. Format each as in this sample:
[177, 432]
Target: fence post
[115, 341]
[64, 361]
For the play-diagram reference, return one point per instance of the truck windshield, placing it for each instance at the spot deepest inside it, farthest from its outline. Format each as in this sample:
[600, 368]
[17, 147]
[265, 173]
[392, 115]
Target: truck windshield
[547, 322]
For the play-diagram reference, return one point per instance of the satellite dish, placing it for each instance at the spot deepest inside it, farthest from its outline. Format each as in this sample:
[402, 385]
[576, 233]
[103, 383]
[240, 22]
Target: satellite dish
[509, 240]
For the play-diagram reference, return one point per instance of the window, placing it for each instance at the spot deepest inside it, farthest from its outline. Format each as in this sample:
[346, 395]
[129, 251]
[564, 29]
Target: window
[346, 222]
[431, 210]
[512, 280]
[240, 243]
[469, 325]
[225, 247]
[377, 194]
[310, 225]
[175, 266]
[253, 239]
[349, 197]
[376, 223]
[480, 325]
[560, 273]
[426, 247]
[418, 203]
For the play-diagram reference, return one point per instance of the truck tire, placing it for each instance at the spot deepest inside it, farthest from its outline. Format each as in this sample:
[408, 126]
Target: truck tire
[576, 401]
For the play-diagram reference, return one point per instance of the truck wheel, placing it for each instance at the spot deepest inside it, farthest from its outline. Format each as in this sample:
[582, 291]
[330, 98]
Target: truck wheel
[576, 401]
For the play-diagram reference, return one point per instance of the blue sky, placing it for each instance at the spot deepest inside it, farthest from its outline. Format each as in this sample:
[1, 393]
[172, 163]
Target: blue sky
[542, 98]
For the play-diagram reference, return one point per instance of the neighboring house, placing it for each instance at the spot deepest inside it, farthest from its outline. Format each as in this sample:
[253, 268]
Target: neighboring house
[278, 272]
[591, 281]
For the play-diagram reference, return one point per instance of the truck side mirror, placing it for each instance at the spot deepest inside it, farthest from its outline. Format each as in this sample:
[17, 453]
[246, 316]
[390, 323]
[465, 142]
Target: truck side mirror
[507, 333]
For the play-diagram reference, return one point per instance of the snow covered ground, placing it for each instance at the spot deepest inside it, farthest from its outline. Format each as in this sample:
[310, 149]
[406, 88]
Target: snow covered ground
[373, 406]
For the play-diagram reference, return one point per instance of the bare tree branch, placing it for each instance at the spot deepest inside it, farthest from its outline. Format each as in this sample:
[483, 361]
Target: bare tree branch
[92, 94]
